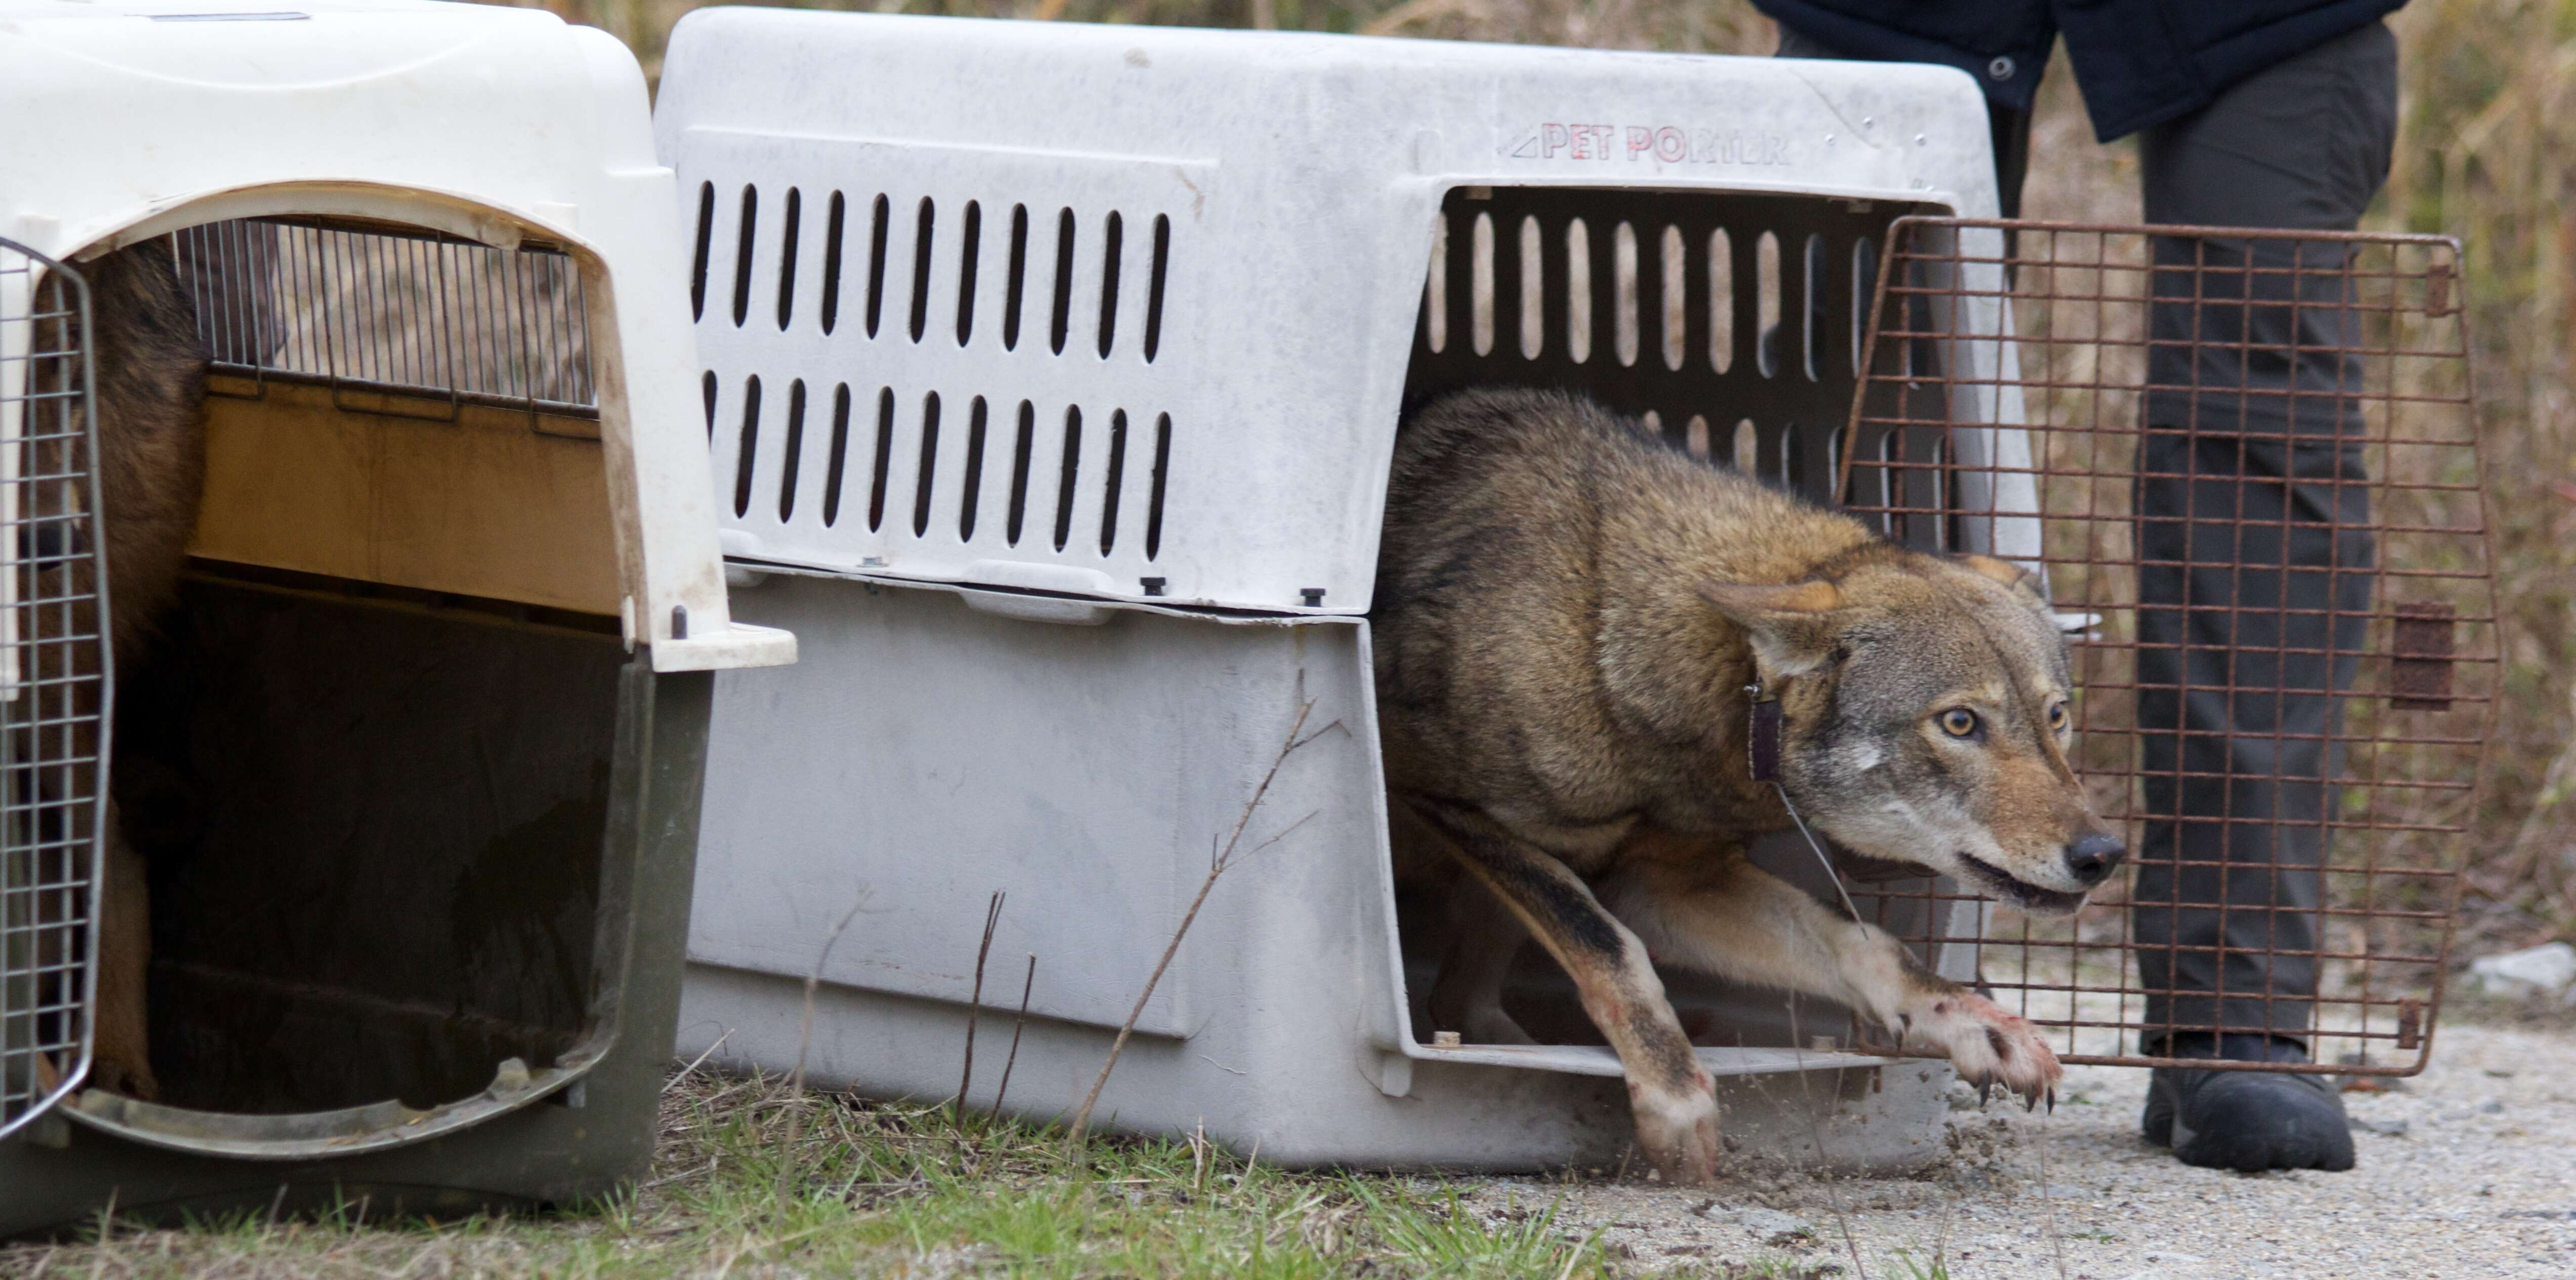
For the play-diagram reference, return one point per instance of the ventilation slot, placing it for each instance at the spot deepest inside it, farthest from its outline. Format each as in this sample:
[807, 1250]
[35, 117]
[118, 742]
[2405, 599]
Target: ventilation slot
[840, 455]
[1071, 465]
[1063, 317]
[742, 255]
[1480, 284]
[929, 462]
[972, 487]
[1766, 305]
[795, 451]
[707, 388]
[1864, 288]
[1435, 289]
[921, 229]
[966, 271]
[1109, 486]
[1624, 323]
[884, 457]
[1578, 291]
[1154, 501]
[1533, 291]
[1721, 300]
[1025, 444]
[877, 227]
[750, 446]
[787, 258]
[1016, 287]
[1112, 244]
[1154, 286]
[1813, 285]
[698, 264]
[832, 262]
[1674, 315]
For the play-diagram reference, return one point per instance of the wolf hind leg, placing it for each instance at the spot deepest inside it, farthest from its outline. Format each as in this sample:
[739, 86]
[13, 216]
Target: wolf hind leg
[1703, 906]
[1485, 937]
[1670, 1095]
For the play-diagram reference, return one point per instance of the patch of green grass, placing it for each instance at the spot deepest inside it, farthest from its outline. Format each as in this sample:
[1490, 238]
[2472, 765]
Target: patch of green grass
[752, 1180]
[1936, 1269]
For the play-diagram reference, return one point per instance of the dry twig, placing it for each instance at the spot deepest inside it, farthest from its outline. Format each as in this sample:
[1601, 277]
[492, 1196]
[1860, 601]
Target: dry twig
[1027, 985]
[805, 1040]
[975, 1001]
[1216, 867]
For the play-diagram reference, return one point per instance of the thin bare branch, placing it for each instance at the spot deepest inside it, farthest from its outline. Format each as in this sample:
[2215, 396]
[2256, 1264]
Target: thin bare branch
[1027, 985]
[694, 1063]
[1816, 1132]
[975, 1001]
[1224, 859]
[804, 1041]
[813, 980]
[2048, 1199]
[1284, 833]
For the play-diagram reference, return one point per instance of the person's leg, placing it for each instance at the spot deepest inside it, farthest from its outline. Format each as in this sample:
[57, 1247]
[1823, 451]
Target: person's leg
[2254, 587]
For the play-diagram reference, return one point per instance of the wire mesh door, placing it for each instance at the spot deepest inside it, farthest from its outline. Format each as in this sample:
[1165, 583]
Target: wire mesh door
[53, 683]
[396, 321]
[2255, 459]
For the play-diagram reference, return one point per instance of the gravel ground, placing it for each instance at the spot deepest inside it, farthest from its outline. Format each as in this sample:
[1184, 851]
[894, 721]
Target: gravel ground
[2468, 1170]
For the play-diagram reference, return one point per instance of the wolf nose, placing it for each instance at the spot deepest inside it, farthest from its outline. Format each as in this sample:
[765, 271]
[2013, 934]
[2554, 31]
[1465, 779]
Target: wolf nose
[2093, 856]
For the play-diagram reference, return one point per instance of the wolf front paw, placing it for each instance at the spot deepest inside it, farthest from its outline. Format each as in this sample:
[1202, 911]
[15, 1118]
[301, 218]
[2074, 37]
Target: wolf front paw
[1986, 1045]
[127, 1076]
[1677, 1133]
[120, 1062]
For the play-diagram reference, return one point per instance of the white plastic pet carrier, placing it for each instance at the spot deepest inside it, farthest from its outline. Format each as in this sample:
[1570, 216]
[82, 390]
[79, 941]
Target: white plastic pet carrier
[1052, 373]
[413, 756]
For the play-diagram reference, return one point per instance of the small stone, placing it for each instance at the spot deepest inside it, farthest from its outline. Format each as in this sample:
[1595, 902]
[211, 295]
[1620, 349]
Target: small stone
[1775, 1228]
[2384, 1128]
[2548, 969]
[2491, 1107]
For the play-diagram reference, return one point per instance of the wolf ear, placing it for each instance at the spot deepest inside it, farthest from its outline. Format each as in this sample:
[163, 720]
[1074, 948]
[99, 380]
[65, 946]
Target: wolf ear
[1791, 627]
[2023, 582]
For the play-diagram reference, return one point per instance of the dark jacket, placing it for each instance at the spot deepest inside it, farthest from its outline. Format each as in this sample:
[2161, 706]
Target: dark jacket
[2139, 62]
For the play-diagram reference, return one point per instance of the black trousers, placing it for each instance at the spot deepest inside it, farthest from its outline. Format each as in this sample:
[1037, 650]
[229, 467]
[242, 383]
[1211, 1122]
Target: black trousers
[2252, 510]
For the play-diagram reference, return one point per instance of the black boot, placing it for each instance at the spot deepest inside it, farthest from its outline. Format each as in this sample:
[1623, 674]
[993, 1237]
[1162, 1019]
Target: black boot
[2248, 1121]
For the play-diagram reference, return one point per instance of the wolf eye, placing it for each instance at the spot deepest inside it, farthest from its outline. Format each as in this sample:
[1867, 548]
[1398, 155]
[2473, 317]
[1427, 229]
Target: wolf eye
[2057, 715]
[1959, 722]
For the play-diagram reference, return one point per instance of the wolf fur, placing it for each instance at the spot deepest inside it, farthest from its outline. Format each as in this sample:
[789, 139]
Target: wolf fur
[149, 374]
[1568, 617]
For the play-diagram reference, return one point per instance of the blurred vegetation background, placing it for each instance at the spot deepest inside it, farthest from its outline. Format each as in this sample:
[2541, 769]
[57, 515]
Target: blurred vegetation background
[2487, 153]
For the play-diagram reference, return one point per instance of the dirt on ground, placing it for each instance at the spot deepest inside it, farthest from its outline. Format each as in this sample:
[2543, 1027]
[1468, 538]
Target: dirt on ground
[2468, 1170]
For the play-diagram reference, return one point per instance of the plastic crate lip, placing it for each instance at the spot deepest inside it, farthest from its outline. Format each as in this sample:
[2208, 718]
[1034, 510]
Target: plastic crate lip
[1599, 1060]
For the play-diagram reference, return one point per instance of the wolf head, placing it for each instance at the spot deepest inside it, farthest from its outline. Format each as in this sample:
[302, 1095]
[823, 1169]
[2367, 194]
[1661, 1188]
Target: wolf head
[1925, 720]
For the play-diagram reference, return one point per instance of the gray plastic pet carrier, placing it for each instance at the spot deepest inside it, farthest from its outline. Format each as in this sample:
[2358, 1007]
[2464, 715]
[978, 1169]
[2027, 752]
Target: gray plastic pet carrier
[1052, 373]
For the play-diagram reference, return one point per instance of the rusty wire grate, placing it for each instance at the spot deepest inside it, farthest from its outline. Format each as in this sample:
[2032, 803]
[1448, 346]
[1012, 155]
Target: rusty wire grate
[53, 684]
[2273, 674]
